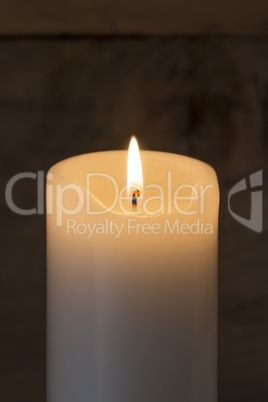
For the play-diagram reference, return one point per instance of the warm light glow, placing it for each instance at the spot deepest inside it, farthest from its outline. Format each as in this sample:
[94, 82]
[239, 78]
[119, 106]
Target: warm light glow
[134, 169]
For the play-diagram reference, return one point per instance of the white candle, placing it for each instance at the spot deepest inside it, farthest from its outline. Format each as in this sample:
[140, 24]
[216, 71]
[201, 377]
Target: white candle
[132, 293]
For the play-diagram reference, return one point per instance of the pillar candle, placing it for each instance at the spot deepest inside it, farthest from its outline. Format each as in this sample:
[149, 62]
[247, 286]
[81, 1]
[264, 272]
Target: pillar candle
[132, 289]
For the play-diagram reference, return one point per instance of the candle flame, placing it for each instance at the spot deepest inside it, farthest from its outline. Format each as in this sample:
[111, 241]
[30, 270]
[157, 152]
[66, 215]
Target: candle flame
[134, 169]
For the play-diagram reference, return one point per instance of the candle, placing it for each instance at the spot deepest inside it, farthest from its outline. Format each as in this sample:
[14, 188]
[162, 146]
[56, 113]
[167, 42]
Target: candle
[132, 278]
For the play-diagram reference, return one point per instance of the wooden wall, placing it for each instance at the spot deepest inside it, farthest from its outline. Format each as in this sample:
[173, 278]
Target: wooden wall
[194, 81]
[154, 17]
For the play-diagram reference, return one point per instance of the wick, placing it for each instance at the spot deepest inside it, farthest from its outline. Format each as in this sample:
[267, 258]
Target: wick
[135, 196]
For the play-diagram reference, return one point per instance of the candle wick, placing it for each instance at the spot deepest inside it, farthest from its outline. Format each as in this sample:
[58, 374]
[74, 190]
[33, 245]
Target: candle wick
[135, 196]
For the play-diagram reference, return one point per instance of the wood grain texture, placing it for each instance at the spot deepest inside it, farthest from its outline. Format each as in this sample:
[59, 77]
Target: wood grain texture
[134, 17]
[203, 98]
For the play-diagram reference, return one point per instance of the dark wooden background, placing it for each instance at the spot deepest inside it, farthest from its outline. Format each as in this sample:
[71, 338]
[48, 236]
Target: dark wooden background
[82, 76]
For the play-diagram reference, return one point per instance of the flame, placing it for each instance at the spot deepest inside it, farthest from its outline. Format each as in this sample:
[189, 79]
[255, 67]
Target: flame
[134, 169]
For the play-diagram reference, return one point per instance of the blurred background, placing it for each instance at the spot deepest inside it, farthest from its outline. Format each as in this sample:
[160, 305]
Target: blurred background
[83, 76]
